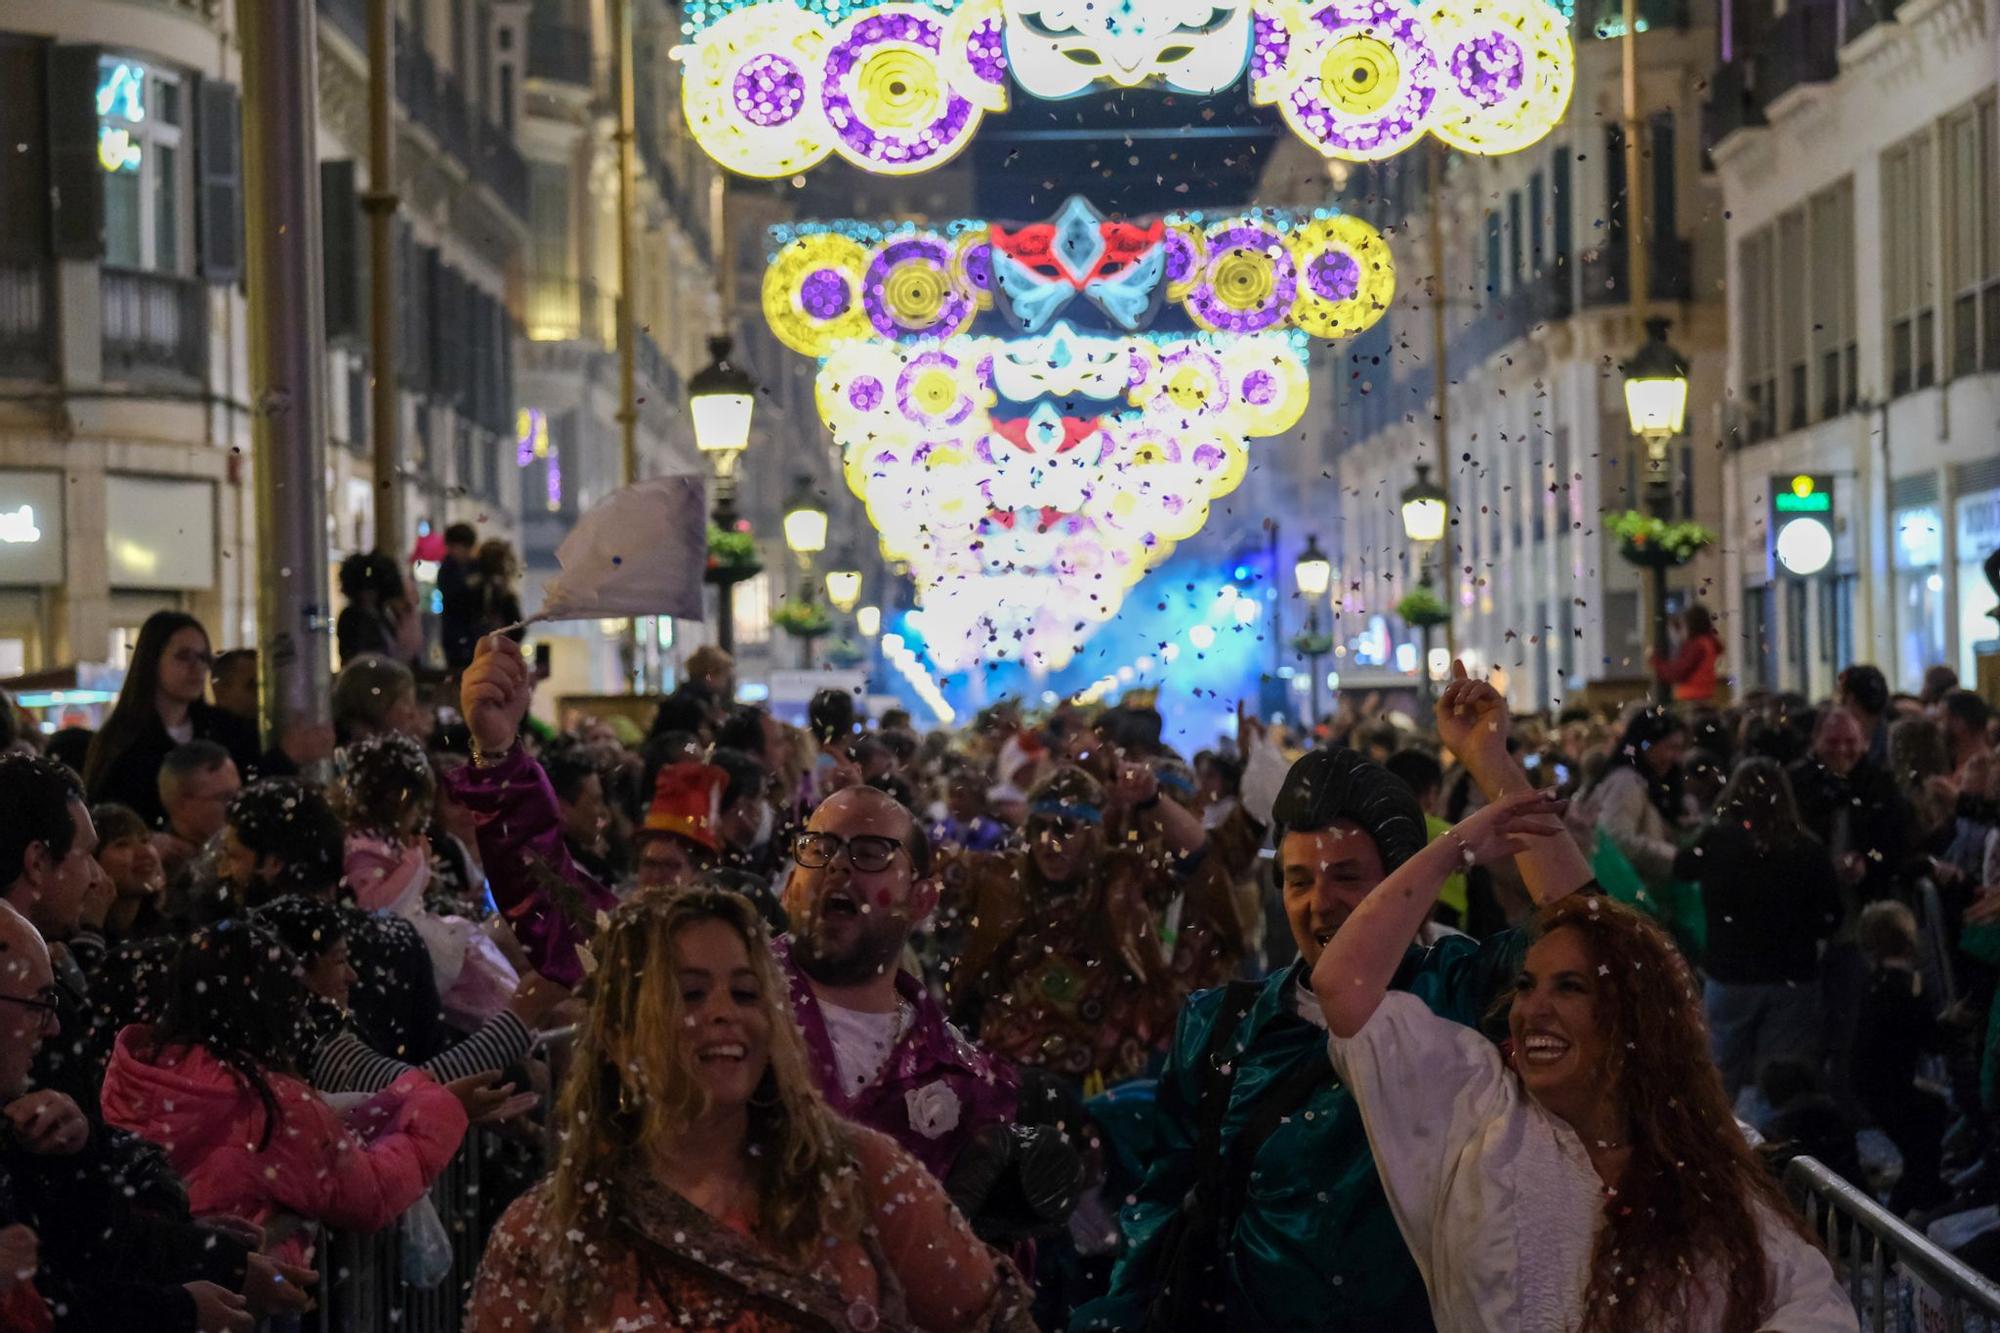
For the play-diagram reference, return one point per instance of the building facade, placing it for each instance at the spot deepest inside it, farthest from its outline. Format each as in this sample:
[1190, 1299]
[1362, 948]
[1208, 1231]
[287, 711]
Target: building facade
[125, 435]
[1860, 164]
[569, 448]
[1538, 318]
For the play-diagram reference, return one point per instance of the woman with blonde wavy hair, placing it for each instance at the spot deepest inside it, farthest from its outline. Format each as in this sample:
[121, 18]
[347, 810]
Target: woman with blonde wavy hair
[702, 1183]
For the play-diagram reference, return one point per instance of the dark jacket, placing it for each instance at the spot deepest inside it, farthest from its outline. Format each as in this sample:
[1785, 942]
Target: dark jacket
[1765, 912]
[133, 776]
[117, 1242]
[1862, 813]
[1315, 1248]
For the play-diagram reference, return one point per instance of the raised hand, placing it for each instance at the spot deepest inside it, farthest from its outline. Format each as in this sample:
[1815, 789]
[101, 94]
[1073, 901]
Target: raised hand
[495, 692]
[1472, 720]
[1507, 827]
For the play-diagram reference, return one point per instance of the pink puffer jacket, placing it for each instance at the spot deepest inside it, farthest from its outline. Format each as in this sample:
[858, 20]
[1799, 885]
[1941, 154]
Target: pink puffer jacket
[356, 1173]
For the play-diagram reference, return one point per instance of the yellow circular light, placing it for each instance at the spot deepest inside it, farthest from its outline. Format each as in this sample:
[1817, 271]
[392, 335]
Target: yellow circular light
[897, 88]
[1189, 389]
[1359, 74]
[1506, 69]
[1197, 243]
[812, 293]
[960, 29]
[1244, 278]
[915, 293]
[1269, 383]
[1802, 486]
[934, 391]
[1346, 276]
[722, 67]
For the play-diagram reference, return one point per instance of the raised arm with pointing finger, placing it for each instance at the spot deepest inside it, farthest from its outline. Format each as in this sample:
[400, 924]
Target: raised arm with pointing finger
[550, 902]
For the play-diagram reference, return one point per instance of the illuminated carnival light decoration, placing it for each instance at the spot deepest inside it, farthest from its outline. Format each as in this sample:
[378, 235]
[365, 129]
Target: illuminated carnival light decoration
[771, 88]
[1033, 416]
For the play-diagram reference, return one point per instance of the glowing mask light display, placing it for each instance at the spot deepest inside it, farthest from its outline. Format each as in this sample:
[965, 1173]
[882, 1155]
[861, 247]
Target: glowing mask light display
[773, 87]
[1035, 415]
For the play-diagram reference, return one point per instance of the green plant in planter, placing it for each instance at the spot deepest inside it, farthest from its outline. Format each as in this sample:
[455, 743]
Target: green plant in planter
[1646, 540]
[1312, 645]
[1423, 608]
[730, 548]
[843, 652]
[802, 620]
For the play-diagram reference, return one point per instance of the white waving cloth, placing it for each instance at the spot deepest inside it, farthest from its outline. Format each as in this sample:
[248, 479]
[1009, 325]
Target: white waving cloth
[639, 553]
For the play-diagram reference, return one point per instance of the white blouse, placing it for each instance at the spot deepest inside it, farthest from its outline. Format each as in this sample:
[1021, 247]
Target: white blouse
[1497, 1198]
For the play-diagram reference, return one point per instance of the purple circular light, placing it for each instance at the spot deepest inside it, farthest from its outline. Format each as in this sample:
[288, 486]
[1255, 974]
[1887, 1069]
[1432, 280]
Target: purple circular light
[1284, 285]
[1401, 119]
[939, 138]
[824, 294]
[986, 52]
[1260, 387]
[864, 393]
[1333, 276]
[953, 309]
[1490, 68]
[978, 266]
[769, 90]
[960, 407]
[1179, 257]
[1270, 47]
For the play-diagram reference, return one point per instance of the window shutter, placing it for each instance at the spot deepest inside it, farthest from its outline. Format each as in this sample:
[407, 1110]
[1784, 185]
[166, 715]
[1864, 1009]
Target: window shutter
[219, 159]
[345, 265]
[76, 181]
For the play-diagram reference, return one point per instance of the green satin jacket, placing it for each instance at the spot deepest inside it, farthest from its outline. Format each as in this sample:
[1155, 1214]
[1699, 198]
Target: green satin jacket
[1315, 1249]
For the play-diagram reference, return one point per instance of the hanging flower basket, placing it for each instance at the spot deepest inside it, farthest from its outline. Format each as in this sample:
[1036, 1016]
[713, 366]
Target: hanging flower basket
[843, 653]
[1423, 609]
[1656, 543]
[1312, 645]
[732, 557]
[802, 620]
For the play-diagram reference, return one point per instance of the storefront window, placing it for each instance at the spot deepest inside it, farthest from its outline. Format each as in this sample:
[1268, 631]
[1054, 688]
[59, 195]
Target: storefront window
[1920, 593]
[1978, 537]
[139, 126]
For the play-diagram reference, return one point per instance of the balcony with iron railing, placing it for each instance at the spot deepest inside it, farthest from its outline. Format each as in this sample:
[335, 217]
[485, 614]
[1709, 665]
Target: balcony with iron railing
[155, 328]
[1804, 48]
[558, 52]
[27, 321]
[1670, 276]
[565, 309]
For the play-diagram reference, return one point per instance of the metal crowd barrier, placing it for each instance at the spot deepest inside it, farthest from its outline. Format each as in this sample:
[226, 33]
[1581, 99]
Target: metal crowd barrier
[1898, 1280]
[361, 1286]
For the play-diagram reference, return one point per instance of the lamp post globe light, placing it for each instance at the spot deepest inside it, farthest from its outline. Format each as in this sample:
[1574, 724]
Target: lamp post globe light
[1656, 392]
[1312, 572]
[721, 400]
[805, 522]
[843, 583]
[805, 534]
[1425, 508]
[1426, 514]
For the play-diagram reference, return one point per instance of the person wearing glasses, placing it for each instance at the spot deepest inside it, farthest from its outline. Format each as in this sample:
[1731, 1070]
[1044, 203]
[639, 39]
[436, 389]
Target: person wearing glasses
[881, 1049]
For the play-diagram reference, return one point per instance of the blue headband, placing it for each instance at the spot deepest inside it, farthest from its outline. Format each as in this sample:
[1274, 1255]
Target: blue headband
[1089, 814]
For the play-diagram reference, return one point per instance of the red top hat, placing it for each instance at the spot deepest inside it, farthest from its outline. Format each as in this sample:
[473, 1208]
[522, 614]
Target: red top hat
[687, 798]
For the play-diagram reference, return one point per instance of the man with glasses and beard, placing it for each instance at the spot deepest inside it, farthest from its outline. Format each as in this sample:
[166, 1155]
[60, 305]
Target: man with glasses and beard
[882, 1051]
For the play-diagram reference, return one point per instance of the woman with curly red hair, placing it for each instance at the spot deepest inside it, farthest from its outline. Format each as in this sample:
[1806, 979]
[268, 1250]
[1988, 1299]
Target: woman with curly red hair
[1593, 1179]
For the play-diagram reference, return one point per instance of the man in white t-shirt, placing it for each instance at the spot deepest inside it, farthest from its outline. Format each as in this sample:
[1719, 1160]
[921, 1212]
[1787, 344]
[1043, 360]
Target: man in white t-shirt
[881, 1050]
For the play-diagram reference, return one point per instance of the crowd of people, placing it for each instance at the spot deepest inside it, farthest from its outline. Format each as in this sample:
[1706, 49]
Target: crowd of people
[1478, 1022]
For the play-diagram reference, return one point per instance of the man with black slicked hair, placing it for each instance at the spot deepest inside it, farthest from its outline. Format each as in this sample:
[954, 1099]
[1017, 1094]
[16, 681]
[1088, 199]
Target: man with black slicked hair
[1261, 1206]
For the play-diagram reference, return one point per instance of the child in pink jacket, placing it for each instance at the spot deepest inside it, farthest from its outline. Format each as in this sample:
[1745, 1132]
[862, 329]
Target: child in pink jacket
[213, 1085]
